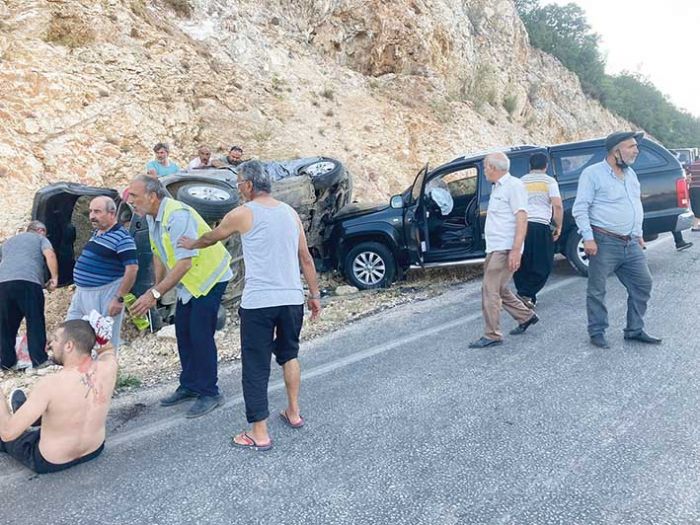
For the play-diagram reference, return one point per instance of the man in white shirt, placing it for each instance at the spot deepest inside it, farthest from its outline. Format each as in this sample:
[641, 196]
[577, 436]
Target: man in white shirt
[506, 225]
[543, 204]
[202, 161]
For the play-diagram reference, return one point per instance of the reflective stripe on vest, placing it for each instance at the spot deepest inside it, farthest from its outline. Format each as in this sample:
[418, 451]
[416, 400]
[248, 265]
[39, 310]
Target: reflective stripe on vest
[208, 267]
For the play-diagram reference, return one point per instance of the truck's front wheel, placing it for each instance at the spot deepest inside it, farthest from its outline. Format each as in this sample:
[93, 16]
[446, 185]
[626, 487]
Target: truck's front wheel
[370, 265]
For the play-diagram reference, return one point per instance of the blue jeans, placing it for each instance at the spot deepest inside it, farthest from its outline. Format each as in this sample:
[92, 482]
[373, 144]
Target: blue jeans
[195, 324]
[627, 260]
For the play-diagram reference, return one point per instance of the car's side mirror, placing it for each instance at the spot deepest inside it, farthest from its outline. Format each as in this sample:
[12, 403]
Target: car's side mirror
[396, 202]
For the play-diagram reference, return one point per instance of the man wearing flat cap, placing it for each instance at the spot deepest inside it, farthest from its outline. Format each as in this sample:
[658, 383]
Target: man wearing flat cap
[608, 212]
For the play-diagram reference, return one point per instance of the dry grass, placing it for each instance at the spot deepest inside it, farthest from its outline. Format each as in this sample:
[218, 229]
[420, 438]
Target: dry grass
[70, 31]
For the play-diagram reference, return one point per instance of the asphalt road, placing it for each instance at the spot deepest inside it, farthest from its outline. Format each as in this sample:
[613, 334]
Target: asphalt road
[405, 424]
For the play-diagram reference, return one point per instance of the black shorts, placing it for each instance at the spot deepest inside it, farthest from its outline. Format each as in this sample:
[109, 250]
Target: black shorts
[25, 449]
[276, 329]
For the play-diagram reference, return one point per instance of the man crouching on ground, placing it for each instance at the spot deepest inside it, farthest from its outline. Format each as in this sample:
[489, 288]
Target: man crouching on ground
[72, 405]
[272, 307]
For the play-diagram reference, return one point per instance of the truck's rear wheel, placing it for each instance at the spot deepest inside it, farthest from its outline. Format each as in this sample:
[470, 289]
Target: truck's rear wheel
[575, 253]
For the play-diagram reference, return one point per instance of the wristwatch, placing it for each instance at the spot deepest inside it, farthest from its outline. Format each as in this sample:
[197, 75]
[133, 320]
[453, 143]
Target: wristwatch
[155, 293]
[120, 299]
[316, 296]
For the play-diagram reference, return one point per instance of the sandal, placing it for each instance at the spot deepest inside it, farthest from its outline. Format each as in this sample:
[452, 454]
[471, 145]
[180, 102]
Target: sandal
[289, 423]
[251, 444]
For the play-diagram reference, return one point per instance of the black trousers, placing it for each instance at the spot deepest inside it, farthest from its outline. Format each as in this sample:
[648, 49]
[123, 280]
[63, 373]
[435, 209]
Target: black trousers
[22, 300]
[537, 261]
[266, 331]
[195, 324]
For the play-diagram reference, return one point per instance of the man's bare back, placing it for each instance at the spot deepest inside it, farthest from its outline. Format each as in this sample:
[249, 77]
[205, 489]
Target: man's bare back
[73, 424]
[72, 405]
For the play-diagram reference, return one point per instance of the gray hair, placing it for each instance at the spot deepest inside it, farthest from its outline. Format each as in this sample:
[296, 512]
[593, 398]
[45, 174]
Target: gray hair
[152, 185]
[35, 226]
[254, 171]
[498, 161]
[110, 205]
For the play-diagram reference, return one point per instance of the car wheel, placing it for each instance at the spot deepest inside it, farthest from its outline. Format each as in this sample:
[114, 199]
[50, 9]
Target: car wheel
[324, 173]
[575, 253]
[212, 200]
[370, 265]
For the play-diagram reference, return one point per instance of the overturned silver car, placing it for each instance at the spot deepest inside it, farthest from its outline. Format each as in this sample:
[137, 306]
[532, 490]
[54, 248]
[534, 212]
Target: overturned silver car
[316, 187]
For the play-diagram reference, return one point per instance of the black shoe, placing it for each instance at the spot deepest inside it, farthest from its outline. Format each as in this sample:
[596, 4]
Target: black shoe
[180, 395]
[683, 246]
[644, 337]
[599, 341]
[204, 405]
[17, 399]
[47, 363]
[520, 329]
[484, 342]
[527, 301]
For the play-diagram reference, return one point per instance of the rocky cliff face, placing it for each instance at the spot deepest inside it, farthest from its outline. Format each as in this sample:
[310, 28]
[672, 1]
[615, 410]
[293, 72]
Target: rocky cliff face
[384, 85]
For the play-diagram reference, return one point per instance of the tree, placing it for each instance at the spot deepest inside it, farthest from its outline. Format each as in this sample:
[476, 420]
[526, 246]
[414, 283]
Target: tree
[564, 32]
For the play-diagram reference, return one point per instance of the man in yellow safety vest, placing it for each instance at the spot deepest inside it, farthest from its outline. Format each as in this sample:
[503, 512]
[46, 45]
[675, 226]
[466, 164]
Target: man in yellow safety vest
[200, 278]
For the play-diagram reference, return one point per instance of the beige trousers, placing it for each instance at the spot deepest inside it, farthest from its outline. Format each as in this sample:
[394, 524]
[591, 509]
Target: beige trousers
[495, 291]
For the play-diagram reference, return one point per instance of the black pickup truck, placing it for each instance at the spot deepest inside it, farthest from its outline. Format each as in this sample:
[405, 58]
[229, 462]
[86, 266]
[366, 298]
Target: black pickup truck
[439, 220]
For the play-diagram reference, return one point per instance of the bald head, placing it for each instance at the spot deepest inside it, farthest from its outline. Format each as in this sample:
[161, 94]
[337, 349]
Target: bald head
[495, 166]
[103, 213]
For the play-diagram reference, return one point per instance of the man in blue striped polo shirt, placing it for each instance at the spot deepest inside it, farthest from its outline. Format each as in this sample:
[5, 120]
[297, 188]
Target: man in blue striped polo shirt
[106, 270]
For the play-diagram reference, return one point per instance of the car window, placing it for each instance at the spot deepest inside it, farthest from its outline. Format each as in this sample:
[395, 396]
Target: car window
[683, 157]
[418, 184]
[569, 165]
[462, 182]
[519, 166]
[648, 158]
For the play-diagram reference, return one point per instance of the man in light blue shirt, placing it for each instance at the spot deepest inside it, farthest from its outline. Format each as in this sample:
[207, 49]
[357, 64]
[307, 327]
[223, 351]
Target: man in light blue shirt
[609, 214]
[161, 165]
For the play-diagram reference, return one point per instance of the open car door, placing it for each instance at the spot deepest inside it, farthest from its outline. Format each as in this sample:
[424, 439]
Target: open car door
[416, 220]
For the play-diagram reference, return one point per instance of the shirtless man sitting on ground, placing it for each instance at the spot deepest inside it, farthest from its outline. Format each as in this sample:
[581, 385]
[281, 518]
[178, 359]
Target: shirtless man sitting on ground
[72, 405]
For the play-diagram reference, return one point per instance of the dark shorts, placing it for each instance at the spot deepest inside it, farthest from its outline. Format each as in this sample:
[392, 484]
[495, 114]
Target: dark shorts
[266, 332]
[276, 329]
[25, 449]
[695, 201]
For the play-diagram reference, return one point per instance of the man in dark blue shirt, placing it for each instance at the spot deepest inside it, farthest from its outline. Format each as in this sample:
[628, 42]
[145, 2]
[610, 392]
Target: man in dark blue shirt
[106, 269]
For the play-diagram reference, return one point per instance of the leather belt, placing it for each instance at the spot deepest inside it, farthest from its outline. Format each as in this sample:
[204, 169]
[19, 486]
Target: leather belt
[598, 229]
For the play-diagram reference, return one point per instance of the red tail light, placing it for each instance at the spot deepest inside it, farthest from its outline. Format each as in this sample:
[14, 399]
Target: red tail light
[682, 193]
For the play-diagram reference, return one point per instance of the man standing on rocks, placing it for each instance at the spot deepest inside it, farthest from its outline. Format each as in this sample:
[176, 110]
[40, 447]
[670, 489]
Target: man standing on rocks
[200, 277]
[272, 307]
[22, 294]
[506, 225]
[544, 201]
[234, 158]
[161, 165]
[202, 161]
[106, 269]
[609, 214]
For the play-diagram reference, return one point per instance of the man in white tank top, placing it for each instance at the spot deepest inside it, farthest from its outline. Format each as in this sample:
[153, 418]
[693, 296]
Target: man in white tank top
[272, 307]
